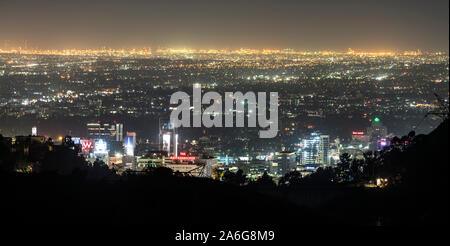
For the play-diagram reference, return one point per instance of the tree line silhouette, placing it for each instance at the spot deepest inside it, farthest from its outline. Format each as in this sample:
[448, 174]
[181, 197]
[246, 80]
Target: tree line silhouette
[60, 186]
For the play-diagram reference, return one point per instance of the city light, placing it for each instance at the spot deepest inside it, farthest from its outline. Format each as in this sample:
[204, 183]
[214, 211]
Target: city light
[100, 147]
[207, 115]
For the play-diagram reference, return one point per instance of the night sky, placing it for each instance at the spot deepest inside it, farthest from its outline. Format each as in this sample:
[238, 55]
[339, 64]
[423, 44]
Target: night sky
[304, 25]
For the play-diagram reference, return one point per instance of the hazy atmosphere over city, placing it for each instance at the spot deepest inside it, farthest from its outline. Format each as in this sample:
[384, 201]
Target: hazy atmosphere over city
[304, 25]
[245, 120]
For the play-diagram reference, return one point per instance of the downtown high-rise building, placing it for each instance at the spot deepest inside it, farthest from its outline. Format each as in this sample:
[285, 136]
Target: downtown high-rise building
[377, 135]
[377, 130]
[107, 131]
[324, 150]
[316, 150]
[285, 162]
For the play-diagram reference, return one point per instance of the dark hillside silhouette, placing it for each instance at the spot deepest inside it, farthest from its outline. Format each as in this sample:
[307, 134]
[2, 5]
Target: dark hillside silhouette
[63, 188]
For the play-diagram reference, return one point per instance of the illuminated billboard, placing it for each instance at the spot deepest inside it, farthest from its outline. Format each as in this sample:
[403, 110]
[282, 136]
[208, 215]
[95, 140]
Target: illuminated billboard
[167, 126]
[183, 158]
[382, 142]
[86, 145]
[359, 136]
[76, 140]
[129, 146]
[166, 142]
[100, 147]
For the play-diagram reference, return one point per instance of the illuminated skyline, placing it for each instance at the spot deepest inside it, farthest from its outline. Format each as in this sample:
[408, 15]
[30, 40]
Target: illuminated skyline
[198, 24]
[186, 51]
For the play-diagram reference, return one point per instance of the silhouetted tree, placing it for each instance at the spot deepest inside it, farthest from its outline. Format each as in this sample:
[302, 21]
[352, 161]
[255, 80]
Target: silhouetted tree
[62, 160]
[291, 179]
[322, 176]
[163, 172]
[343, 167]
[265, 181]
[237, 178]
[159, 171]
[69, 143]
[7, 159]
[371, 163]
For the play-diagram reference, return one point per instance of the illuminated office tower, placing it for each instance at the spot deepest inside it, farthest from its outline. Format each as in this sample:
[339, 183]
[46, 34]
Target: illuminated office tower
[119, 132]
[377, 130]
[324, 150]
[310, 150]
[316, 150]
[377, 134]
[285, 162]
[107, 131]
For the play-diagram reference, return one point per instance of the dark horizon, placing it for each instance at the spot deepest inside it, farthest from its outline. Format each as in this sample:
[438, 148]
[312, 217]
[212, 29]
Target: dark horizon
[301, 25]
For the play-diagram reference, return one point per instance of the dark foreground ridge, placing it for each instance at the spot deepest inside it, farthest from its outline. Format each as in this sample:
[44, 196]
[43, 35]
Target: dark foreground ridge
[138, 199]
[159, 197]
